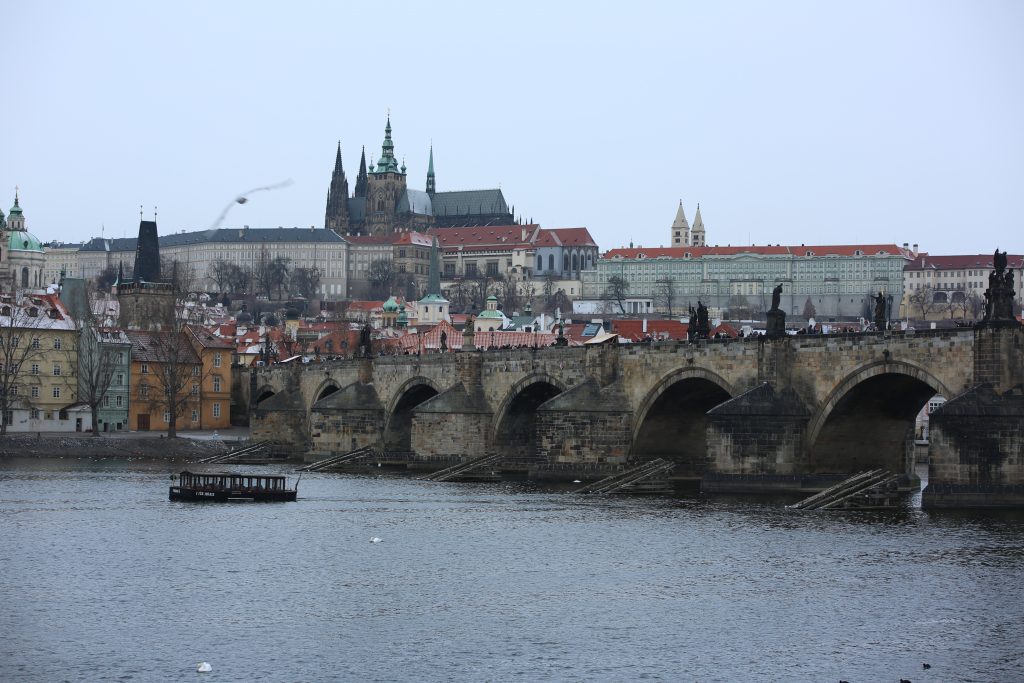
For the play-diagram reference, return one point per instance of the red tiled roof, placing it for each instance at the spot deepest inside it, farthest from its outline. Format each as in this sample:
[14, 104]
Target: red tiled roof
[419, 239]
[564, 237]
[634, 329]
[494, 235]
[969, 261]
[367, 306]
[769, 250]
[431, 341]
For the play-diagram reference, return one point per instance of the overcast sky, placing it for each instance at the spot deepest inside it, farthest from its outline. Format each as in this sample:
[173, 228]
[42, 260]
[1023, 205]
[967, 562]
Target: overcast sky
[867, 122]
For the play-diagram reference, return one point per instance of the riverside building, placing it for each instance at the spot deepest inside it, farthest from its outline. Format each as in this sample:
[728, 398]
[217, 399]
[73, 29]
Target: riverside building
[827, 281]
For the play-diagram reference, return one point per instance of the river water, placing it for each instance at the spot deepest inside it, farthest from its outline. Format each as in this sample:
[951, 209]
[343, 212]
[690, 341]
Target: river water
[103, 579]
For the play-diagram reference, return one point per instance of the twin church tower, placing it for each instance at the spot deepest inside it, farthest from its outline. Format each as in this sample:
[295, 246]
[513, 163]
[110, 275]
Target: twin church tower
[383, 204]
[685, 236]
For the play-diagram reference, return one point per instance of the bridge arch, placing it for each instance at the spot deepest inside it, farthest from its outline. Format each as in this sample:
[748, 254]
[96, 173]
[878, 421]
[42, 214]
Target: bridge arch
[515, 422]
[671, 421]
[868, 419]
[263, 393]
[326, 388]
[398, 414]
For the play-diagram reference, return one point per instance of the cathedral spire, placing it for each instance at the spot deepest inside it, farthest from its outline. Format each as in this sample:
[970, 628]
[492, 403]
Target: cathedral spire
[680, 228]
[361, 179]
[698, 238]
[336, 213]
[431, 182]
[387, 162]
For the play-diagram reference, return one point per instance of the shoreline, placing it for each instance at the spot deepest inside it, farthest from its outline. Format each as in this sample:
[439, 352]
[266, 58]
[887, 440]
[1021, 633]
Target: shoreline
[155, 446]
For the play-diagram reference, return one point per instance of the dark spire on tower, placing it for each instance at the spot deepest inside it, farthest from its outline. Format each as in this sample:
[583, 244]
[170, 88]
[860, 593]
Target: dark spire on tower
[147, 254]
[336, 215]
[431, 181]
[361, 179]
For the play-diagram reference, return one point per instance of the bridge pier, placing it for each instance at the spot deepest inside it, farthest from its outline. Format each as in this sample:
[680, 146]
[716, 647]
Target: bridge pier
[976, 440]
[755, 442]
[586, 425]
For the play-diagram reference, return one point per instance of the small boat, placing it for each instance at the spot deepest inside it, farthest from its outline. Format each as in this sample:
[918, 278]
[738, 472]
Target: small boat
[232, 488]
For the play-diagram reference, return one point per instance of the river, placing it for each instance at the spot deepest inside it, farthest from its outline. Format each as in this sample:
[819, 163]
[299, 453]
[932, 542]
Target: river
[103, 579]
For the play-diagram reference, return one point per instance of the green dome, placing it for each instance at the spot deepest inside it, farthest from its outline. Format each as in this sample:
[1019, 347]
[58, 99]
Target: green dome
[20, 240]
[390, 306]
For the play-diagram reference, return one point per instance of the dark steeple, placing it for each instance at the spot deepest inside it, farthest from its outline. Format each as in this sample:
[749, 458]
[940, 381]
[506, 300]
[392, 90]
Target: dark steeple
[147, 254]
[431, 182]
[361, 179]
[336, 215]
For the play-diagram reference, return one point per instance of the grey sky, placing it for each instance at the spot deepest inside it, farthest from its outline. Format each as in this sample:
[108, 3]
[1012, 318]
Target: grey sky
[788, 122]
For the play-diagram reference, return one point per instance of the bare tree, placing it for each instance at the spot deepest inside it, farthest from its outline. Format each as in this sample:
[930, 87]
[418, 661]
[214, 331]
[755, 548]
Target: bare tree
[101, 351]
[618, 288]
[665, 295]
[220, 274]
[173, 366]
[106, 279]
[809, 310]
[381, 277]
[305, 281]
[924, 300]
[20, 322]
[975, 303]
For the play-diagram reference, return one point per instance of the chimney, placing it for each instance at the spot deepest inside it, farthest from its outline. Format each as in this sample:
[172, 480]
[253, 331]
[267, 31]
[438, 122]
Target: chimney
[523, 232]
[915, 250]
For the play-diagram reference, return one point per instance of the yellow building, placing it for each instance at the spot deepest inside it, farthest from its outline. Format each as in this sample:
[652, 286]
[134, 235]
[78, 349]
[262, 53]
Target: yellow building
[164, 364]
[215, 382]
[38, 361]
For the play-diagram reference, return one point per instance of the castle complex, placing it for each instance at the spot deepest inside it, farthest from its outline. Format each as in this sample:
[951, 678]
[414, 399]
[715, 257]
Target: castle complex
[383, 204]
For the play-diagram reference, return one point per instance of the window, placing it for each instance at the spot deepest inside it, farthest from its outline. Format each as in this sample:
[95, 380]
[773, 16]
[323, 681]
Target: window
[35, 392]
[492, 268]
[195, 371]
[143, 391]
[471, 269]
[120, 357]
[106, 401]
[34, 414]
[56, 343]
[216, 410]
[145, 368]
[15, 339]
[195, 389]
[540, 263]
[216, 360]
[56, 392]
[8, 417]
[119, 401]
[14, 390]
[167, 416]
[56, 369]
[35, 342]
[195, 415]
[119, 379]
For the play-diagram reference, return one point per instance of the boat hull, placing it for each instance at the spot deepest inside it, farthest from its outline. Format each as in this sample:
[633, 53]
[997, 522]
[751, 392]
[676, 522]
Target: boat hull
[229, 496]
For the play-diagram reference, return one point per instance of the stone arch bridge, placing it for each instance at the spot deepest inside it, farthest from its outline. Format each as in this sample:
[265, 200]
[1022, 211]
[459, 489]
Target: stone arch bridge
[791, 413]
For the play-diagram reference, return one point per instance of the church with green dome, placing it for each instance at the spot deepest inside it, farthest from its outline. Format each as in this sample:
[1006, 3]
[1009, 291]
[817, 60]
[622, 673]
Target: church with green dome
[21, 253]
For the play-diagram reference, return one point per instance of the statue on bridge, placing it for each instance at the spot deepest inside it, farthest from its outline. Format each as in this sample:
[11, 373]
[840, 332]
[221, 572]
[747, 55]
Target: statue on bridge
[776, 328]
[881, 319]
[366, 341]
[691, 329]
[444, 341]
[1000, 294]
[703, 327]
[776, 297]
